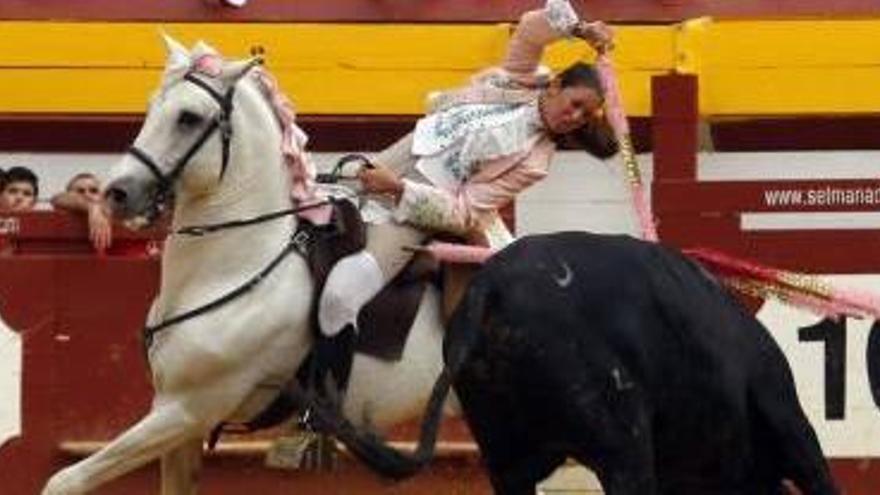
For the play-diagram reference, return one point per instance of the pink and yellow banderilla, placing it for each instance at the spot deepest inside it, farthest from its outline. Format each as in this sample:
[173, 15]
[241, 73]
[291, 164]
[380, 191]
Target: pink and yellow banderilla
[617, 118]
[797, 289]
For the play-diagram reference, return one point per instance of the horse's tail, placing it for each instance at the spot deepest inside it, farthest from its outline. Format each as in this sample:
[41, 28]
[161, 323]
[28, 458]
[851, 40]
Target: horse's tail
[460, 339]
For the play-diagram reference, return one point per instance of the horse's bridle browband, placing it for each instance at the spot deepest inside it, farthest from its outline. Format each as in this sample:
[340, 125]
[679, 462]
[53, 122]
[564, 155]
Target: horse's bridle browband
[222, 123]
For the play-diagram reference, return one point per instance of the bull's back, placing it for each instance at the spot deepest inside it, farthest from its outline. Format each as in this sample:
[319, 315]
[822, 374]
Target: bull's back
[603, 303]
[638, 298]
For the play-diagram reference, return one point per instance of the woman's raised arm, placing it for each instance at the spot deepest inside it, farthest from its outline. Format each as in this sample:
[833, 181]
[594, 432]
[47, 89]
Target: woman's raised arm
[541, 27]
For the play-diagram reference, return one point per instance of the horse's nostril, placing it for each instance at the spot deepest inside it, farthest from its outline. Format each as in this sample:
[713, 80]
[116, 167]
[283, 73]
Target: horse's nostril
[116, 195]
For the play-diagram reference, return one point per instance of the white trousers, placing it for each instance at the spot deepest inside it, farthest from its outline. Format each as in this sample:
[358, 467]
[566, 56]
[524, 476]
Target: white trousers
[357, 278]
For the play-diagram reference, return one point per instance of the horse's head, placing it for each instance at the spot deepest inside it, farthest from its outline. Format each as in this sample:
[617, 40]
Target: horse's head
[204, 117]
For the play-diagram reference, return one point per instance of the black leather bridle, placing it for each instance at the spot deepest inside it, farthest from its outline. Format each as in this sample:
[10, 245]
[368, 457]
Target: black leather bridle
[300, 241]
[222, 123]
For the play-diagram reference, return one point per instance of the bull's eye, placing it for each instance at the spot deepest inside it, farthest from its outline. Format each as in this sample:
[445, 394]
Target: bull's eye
[189, 119]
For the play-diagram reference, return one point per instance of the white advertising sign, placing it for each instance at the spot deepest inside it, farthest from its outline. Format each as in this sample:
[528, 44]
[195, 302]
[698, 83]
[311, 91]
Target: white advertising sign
[832, 365]
[10, 383]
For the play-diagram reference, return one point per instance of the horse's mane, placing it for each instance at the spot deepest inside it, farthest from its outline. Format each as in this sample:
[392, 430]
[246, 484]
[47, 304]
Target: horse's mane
[299, 162]
[294, 140]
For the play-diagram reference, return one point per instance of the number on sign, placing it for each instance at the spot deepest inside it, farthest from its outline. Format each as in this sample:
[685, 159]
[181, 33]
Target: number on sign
[833, 334]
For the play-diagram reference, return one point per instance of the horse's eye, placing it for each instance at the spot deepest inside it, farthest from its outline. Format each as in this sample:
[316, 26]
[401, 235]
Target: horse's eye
[189, 119]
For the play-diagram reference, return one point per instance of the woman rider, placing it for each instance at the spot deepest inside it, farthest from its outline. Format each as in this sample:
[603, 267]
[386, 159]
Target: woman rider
[475, 150]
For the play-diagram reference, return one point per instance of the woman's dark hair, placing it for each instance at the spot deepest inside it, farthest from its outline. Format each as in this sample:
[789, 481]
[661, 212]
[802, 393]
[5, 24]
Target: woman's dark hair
[597, 136]
[2, 179]
[20, 174]
[581, 74]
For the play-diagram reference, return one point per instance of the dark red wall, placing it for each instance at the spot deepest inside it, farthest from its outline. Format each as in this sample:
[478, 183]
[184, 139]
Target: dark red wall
[113, 133]
[419, 10]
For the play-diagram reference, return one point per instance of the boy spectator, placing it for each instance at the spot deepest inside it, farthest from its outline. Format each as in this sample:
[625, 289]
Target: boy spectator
[19, 190]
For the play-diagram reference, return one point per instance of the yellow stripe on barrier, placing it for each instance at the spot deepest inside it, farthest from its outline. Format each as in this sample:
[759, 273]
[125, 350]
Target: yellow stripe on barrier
[639, 48]
[127, 90]
[783, 67]
[745, 67]
[790, 91]
[76, 91]
[326, 69]
[756, 44]
[138, 45]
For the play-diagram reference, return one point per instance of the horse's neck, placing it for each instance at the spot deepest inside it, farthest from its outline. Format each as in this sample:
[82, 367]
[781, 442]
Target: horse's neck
[253, 185]
[216, 260]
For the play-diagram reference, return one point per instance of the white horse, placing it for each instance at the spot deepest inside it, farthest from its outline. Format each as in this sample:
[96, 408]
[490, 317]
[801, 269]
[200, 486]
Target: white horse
[216, 366]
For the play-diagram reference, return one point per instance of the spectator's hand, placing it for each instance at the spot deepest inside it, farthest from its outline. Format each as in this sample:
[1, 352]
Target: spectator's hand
[100, 228]
[597, 34]
[380, 180]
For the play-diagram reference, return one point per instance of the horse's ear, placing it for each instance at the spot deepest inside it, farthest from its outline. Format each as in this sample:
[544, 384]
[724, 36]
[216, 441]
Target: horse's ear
[178, 55]
[233, 71]
[201, 49]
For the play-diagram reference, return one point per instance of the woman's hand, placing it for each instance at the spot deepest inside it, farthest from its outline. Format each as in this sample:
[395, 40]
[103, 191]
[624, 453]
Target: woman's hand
[381, 180]
[597, 34]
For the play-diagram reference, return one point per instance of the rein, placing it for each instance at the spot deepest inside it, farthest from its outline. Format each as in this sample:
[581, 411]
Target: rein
[200, 230]
[299, 242]
[330, 178]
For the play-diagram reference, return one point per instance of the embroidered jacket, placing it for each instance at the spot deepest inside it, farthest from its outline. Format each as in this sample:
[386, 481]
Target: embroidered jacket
[483, 144]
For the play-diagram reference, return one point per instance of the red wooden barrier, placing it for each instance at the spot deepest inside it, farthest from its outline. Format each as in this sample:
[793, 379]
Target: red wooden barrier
[84, 379]
[704, 213]
[694, 213]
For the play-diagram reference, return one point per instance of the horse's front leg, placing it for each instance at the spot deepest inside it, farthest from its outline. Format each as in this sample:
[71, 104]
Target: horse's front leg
[181, 467]
[163, 429]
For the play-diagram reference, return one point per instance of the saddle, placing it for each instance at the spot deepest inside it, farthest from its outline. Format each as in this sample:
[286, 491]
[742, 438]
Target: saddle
[384, 323]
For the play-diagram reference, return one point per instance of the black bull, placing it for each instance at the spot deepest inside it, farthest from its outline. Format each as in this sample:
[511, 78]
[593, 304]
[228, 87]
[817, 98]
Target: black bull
[627, 357]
